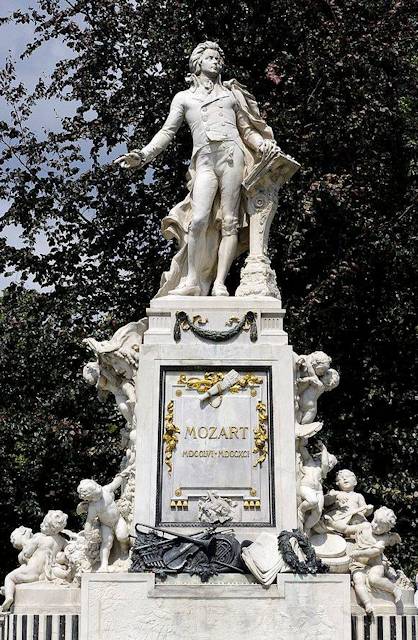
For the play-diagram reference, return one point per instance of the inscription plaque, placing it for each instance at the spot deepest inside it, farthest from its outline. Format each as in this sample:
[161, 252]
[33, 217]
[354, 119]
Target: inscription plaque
[220, 443]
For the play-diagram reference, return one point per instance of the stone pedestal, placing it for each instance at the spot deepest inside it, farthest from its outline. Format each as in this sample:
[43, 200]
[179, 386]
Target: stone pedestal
[44, 611]
[390, 621]
[245, 447]
[137, 607]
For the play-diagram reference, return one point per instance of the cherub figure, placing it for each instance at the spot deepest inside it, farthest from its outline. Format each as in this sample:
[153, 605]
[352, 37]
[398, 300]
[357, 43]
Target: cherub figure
[367, 564]
[38, 553]
[106, 381]
[312, 470]
[346, 505]
[314, 377]
[99, 502]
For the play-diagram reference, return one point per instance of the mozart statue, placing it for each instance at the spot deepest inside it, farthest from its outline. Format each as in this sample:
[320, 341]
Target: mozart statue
[229, 137]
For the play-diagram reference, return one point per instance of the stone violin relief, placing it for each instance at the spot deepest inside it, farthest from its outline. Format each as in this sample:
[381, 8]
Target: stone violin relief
[235, 172]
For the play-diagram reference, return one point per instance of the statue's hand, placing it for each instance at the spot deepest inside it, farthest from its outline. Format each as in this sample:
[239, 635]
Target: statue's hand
[131, 160]
[267, 146]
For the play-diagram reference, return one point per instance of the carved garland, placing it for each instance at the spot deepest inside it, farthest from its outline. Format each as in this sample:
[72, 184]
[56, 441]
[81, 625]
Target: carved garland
[170, 436]
[201, 385]
[261, 437]
[311, 564]
[248, 322]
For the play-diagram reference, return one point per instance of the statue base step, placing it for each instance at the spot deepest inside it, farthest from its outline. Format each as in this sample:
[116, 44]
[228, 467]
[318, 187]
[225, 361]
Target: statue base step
[43, 611]
[138, 607]
[219, 314]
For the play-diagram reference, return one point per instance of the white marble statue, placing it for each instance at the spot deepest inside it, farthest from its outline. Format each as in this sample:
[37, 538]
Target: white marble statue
[39, 553]
[229, 139]
[367, 562]
[107, 382]
[312, 470]
[116, 365]
[100, 505]
[314, 376]
[82, 553]
[345, 505]
[114, 372]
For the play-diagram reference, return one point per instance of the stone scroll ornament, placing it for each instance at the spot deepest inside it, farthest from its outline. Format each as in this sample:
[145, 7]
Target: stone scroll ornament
[247, 323]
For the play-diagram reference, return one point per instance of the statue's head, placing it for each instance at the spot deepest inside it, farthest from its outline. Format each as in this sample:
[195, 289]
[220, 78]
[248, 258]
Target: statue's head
[383, 521]
[332, 461]
[54, 522]
[346, 480]
[89, 490]
[207, 56]
[320, 362]
[91, 372]
[19, 536]
[330, 379]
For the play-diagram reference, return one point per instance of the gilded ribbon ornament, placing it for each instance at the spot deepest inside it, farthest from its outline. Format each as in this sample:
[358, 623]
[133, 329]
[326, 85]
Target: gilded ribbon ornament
[170, 436]
[201, 385]
[260, 434]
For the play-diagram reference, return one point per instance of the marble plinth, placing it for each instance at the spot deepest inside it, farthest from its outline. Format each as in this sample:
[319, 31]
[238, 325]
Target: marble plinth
[215, 448]
[390, 621]
[44, 611]
[137, 607]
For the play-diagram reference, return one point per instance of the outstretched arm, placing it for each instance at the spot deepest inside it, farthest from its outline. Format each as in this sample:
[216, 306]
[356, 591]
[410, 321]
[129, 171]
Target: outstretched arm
[161, 140]
[118, 479]
[349, 529]
[325, 465]
[302, 449]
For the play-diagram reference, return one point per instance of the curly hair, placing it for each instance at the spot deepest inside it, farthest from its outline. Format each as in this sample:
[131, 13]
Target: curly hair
[197, 53]
[342, 472]
[19, 534]
[196, 59]
[384, 514]
[91, 372]
[55, 520]
[330, 379]
[91, 487]
[319, 357]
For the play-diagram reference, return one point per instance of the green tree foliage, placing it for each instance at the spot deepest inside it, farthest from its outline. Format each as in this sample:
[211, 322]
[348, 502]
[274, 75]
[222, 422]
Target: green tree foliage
[337, 82]
[53, 432]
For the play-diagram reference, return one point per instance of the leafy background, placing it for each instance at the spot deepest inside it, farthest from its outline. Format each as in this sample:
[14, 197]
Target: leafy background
[337, 81]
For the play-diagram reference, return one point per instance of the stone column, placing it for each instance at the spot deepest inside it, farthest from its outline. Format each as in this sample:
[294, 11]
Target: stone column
[262, 187]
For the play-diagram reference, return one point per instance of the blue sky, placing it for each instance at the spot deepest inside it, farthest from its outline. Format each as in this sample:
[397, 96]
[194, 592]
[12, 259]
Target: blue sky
[46, 116]
[12, 43]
